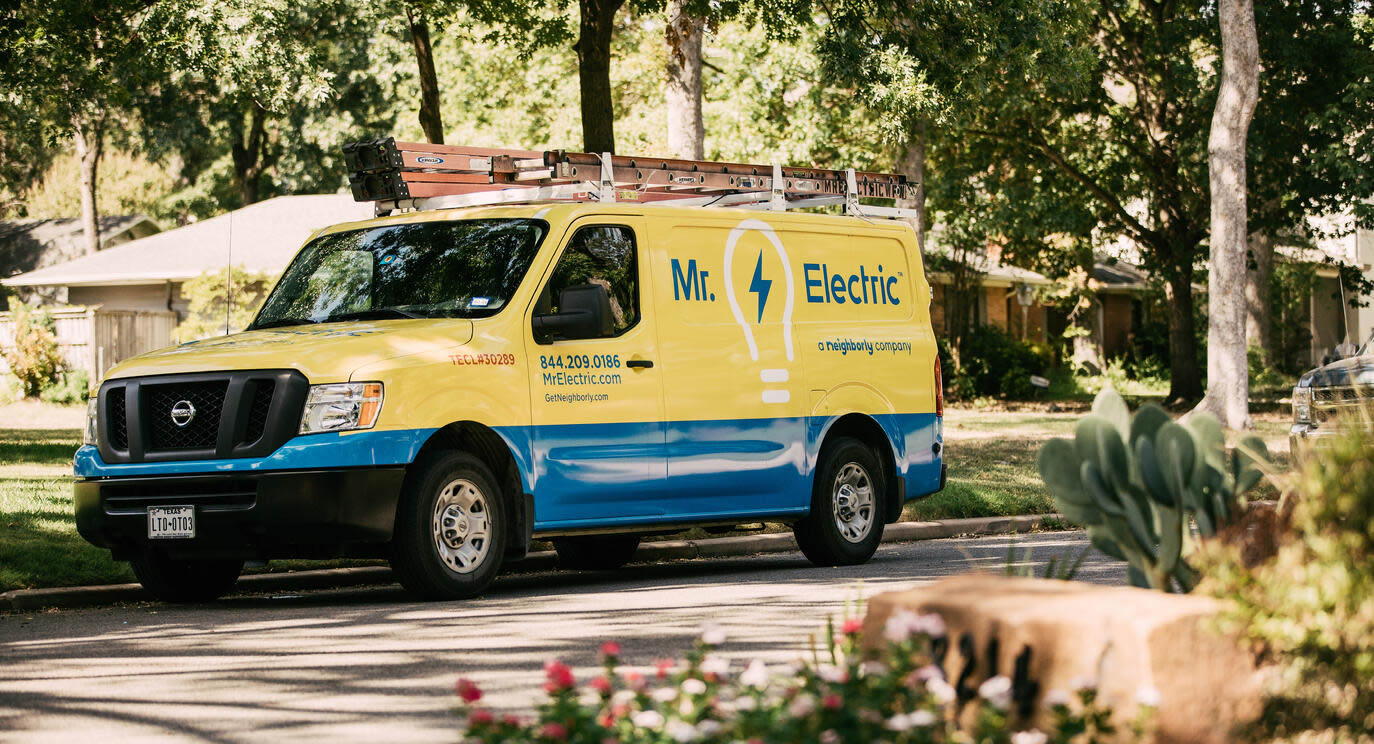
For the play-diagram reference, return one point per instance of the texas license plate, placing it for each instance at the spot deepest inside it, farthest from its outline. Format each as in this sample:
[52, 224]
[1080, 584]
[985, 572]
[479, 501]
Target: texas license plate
[171, 522]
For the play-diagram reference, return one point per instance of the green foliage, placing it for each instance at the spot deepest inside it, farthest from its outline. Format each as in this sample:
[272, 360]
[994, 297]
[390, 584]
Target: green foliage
[33, 358]
[70, 387]
[1311, 606]
[1134, 482]
[222, 302]
[994, 363]
[843, 694]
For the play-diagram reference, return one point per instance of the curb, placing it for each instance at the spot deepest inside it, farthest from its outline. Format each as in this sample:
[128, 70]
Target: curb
[546, 560]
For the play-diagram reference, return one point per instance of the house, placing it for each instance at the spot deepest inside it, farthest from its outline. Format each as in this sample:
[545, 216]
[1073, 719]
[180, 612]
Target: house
[147, 274]
[1331, 321]
[32, 244]
[127, 299]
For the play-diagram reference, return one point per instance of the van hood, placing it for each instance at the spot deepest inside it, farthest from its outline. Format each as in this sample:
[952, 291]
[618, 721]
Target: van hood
[328, 352]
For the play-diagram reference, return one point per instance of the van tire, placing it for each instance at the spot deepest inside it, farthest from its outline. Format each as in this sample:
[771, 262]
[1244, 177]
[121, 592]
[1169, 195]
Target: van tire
[450, 536]
[595, 552]
[185, 581]
[845, 524]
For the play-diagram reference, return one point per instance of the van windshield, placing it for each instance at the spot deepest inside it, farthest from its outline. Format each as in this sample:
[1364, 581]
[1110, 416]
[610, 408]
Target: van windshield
[447, 269]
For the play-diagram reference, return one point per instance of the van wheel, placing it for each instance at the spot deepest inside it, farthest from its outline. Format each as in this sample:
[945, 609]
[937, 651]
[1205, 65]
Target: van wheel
[845, 524]
[595, 552]
[185, 581]
[450, 528]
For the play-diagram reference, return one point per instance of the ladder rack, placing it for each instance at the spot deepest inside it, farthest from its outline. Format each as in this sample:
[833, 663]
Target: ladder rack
[406, 175]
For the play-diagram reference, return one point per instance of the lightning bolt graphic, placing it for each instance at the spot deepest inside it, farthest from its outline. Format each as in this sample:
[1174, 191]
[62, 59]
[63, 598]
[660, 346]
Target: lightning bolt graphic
[760, 286]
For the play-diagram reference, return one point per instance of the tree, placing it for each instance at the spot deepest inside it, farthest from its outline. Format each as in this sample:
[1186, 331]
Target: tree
[683, 32]
[596, 23]
[430, 119]
[222, 302]
[1228, 375]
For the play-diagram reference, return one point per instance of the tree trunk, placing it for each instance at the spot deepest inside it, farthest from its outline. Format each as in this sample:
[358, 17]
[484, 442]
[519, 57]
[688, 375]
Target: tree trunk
[246, 150]
[90, 138]
[1185, 379]
[912, 164]
[594, 73]
[431, 120]
[686, 135]
[1228, 383]
[1259, 324]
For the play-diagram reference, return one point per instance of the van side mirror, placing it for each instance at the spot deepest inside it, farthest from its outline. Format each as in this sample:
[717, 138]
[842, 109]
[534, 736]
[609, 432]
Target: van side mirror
[584, 312]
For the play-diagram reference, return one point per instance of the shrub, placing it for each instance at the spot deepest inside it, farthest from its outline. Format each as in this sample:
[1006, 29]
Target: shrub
[33, 358]
[1311, 606]
[994, 363]
[71, 386]
[846, 698]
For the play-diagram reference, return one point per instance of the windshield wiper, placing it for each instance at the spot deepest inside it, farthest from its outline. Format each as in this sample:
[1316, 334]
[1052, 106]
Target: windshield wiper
[279, 322]
[380, 313]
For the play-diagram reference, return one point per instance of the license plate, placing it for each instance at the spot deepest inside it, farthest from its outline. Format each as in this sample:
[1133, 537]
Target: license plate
[171, 522]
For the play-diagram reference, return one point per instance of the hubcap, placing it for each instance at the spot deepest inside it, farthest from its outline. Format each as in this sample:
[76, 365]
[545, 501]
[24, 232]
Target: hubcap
[462, 531]
[853, 502]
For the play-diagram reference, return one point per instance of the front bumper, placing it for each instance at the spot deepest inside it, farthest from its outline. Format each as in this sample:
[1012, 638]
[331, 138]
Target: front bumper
[257, 515]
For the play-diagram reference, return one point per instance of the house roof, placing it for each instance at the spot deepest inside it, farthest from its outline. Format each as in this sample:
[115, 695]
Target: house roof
[29, 244]
[260, 237]
[1116, 275]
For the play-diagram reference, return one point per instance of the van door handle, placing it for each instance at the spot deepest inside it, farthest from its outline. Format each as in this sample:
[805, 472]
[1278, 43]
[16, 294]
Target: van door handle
[639, 363]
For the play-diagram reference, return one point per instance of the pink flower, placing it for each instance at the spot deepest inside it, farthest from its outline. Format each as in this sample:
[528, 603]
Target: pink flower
[467, 690]
[553, 731]
[559, 675]
[610, 650]
[663, 667]
[852, 626]
[511, 720]
[480, 717]
[635, 680]
[601, 685]
[832, 702]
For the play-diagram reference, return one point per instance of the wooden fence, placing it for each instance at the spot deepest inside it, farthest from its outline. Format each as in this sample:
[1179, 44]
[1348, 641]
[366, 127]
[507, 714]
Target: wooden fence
[95, 340]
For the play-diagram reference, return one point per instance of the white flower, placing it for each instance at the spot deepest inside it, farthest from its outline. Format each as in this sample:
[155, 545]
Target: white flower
[899, 722]
[830, 736]
[664, 694]
[746, 703]
[802, 705]
[898, 626]
[623, 697]
[997, 691]
[685, 708]
[1056, 698]
[873, 669]
[832, 674]
[682, 731]
[712, 634]
[589, 699]
[1147, 696]
[756, 675]
[922, 718]
[929, 672]
[715, 665]
[693, 686]
[932, 625]
[1033, 736]
[1082, 682]
[650, 719]
[709, 728]
[941, 690]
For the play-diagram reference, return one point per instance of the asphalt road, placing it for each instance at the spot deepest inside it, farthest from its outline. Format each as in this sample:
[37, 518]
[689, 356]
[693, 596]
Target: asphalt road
[369, 664]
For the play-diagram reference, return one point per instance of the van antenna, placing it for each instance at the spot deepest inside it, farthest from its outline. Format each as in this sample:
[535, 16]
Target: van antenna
[229, 276]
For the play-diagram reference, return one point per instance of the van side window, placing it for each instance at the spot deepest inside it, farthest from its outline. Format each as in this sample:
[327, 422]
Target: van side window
[603, 255]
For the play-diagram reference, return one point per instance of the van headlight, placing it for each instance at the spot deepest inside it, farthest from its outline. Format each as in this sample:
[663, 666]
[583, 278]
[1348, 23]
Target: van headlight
[1302, 405]
[92, 416]
[341, 407]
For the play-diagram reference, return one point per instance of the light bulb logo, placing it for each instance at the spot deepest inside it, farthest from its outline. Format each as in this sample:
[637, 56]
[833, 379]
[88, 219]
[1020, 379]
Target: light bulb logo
[761, 288]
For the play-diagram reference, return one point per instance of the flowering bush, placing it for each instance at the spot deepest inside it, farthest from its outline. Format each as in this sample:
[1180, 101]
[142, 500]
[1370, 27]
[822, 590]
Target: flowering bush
[847, 697]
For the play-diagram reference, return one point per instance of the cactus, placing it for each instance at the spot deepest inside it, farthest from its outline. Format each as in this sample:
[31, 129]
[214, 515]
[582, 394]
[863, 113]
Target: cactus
[1135, 481]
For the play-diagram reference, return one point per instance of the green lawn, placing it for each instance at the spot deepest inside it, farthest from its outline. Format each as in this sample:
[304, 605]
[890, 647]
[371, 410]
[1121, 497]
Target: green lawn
[991, 457]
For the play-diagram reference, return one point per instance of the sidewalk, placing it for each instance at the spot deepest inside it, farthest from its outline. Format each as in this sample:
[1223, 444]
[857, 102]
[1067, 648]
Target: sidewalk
[332, 578]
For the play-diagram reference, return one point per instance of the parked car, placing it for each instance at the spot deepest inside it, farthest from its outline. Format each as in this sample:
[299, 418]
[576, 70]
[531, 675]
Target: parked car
[439, 388]
[1337, 394]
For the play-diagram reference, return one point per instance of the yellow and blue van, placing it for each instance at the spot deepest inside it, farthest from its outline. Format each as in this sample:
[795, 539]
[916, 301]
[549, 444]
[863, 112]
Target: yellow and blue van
[441, 388]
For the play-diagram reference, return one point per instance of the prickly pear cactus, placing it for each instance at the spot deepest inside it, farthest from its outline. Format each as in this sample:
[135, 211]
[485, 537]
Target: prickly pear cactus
[1140, 483]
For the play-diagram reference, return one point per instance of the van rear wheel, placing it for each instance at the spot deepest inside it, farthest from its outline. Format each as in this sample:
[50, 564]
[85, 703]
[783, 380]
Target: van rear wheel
[595, 552]
[450, 534]
[185, 581]
[845, 524]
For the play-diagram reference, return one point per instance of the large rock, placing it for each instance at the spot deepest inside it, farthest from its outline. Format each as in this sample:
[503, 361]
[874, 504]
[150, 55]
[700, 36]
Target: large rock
[1054, 635]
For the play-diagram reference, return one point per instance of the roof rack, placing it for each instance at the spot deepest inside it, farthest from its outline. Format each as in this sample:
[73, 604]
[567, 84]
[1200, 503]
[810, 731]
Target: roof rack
[402, 176]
